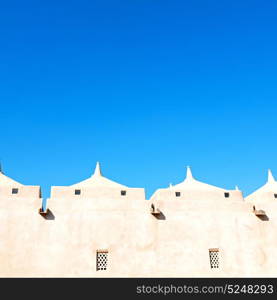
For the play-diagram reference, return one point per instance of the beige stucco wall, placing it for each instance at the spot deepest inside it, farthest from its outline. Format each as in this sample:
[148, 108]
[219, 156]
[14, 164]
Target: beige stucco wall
[192, 226]
[175, 243]
[24, 192]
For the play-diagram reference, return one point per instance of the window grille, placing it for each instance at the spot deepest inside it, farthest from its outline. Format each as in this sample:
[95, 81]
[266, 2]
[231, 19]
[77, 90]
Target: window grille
[101, 260]
[214, 258]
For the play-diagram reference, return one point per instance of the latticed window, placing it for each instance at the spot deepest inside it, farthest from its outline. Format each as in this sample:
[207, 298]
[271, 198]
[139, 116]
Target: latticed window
[214, 258]
[101, 260]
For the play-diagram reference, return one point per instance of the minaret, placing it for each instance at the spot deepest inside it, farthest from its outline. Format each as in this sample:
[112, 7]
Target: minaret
[270, 178]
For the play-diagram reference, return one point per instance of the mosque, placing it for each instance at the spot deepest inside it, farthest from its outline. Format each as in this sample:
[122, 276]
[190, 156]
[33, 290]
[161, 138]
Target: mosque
[100, 228]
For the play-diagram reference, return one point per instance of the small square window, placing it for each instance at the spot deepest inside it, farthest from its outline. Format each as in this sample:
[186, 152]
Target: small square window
[14, 191]
[123, 193]
[178, 194]
[101, 260]
[275, 195]
[226, 195]
[77, 192]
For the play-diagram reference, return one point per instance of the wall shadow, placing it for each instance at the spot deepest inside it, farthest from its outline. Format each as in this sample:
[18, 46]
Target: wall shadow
[160, 216]
[263, 218]
[49, 215]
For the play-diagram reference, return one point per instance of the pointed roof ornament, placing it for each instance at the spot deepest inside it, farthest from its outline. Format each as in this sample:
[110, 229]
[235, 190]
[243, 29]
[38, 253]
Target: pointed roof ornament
[97, 171]
[98, 180]
[270, 178]
[189, 174]
[190, 183]
[237, 188]
[170, 185]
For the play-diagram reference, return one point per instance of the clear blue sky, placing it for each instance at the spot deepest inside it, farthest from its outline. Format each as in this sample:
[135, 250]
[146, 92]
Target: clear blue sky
[146, 87]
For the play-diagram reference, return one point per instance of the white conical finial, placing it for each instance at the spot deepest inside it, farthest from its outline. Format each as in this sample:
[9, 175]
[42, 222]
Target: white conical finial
[189, 174]
[97, 171]
[237, 188]
[170, 185]
[270, 177]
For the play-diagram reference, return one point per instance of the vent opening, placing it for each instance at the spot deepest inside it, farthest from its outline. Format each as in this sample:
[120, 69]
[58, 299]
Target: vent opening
[214, 258]
[77, 192]
[101, 260]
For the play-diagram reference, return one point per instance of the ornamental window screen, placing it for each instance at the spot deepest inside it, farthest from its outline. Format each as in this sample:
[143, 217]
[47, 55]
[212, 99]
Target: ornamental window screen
[214, 258]
[101, 260]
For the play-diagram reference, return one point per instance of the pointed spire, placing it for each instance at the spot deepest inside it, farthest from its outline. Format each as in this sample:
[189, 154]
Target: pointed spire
[189, 174]
[97, 171]
[170, 185]
[270, 177]
[237, 188]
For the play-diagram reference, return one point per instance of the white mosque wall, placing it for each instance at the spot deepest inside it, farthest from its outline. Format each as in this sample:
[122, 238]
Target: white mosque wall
[172, 243]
